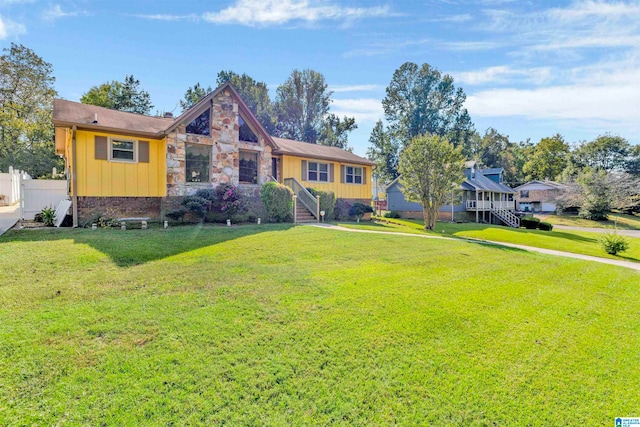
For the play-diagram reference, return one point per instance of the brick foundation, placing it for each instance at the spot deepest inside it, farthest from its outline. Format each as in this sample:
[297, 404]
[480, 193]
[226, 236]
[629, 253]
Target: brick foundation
[119, 207]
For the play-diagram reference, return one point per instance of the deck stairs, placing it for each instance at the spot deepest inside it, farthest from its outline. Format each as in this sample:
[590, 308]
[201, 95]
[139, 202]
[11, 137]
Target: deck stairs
[507, 217]
[306, 205]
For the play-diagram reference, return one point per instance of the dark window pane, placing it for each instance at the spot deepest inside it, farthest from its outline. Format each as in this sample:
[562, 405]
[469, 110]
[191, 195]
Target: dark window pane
[313, 176]
[123, 155]
[246, 134]
[358, 179]
[324, 177]
[313, 166]
[324, 167]
[248, 167]
[122, 145]
[201, 125]
[197, 162]
[350, 179]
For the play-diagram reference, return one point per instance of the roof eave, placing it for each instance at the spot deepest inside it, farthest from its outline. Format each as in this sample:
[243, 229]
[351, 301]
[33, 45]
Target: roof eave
[98, 128]
[333, 159]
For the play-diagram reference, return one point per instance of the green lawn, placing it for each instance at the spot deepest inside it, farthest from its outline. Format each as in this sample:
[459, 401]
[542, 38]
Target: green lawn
[279, 325]
[622, 221]
[579, 242]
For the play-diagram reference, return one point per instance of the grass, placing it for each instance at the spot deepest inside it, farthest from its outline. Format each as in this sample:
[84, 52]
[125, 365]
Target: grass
[278, 325]
[578, 242]
[621, 221]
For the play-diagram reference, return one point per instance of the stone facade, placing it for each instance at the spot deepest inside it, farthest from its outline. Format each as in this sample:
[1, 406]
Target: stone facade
[118, 207]
[225, 151]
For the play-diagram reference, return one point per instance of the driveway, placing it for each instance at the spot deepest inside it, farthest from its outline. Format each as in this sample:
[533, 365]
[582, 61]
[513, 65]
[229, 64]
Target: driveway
[9, 215]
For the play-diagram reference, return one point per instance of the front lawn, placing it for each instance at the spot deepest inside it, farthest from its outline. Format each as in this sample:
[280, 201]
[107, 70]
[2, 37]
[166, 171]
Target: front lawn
[280, 325]
[579, 242]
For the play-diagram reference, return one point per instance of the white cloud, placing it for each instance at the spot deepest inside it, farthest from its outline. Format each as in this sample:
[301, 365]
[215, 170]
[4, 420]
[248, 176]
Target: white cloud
[363, 109]
[167, 17]
[453, 18]
[471, 45]
[276, 12]
[355, 88]
[9, 28]
[55, 12]
[503, 74]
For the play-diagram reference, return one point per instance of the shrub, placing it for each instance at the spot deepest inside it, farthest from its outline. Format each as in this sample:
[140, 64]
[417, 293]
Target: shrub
[613, 243]
[327, 202]
[530, 223]
[177, 214]
[341, 209]
[197, 205]
[103, 220]
[38, 217]
[229, 201]
[278, 201]
[545, 226]
[48, 216]
[392, 214]
[359, 209]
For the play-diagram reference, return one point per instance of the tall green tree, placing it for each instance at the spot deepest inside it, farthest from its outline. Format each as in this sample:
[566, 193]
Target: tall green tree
[384, 151]
[334, 131]
[26, 100]
[550, 157]
[606, 152]
[193, 94]
[255, 94]
[124, 96]
[430, 168]
[421, 100]
[302, 103]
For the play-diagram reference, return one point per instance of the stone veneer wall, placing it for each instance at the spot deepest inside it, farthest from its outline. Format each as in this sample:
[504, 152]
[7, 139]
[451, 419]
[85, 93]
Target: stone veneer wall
[118, 207]
[225, 149]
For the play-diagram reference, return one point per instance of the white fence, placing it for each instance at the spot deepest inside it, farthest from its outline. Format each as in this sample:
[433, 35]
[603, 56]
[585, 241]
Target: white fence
[10, 186]
[41, 193]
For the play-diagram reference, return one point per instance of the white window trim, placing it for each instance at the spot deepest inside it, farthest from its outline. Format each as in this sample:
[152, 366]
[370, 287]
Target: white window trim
[135, 150]
[318, 172]
[257, 154]
[354, 175]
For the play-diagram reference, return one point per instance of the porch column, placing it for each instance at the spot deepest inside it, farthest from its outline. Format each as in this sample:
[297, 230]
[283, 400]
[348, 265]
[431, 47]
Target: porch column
[476, 205]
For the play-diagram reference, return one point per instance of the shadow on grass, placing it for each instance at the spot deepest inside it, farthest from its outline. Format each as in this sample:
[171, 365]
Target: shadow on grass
[134, 247]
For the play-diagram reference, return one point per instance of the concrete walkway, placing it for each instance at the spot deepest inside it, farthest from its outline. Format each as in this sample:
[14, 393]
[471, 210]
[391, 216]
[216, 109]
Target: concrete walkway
[9, 215]
[619, 263]
[630, 233]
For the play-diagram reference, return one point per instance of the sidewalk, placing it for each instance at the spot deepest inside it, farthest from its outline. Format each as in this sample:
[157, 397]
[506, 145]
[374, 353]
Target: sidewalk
[9, 215]
[629, 233]
[619, 263]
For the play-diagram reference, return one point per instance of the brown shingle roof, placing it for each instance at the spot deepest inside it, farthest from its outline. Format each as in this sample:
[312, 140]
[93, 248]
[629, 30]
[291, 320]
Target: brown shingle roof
[317, 151]
[69, 113]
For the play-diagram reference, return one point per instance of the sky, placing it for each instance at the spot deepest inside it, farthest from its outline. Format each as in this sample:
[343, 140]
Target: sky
[530, 69]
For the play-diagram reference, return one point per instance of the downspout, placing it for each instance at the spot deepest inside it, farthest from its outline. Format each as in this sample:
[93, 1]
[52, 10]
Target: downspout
[74, 178]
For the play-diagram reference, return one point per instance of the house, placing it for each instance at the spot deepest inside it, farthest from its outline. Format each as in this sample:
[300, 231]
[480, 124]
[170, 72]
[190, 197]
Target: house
[134, 165]
[538, 196]
[482, 197]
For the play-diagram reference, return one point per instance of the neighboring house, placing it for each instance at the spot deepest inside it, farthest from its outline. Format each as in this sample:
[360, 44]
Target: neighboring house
[538, 196]
[482, 197]
[134, 165]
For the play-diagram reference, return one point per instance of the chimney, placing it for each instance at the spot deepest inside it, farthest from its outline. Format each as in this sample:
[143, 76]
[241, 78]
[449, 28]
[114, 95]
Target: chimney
[168, 115]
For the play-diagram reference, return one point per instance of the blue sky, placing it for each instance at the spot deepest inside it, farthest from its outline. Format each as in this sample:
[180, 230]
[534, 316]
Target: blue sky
[529, 68]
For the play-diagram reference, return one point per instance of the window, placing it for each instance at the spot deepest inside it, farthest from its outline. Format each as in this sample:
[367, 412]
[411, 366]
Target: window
[246, 134]
[201, 125]
[197, 161]
[353, 175]
[123, 150]
[524, 194]
[248, 167]
[318, 172]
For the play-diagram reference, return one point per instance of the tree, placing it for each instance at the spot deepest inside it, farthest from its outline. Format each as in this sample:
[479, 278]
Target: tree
[384, 152]
[606, 152]
[550, 157]
[26, 99]
[632, 165]
[421, 100]
[430, 167]
[302, 102]
[334, 131]
[255, 94]
[123, 96]
[193, 95]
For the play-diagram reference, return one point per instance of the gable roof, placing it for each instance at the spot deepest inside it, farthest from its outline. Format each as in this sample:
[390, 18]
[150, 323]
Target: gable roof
[552, 184]
[69, 113]
[491, 171]
[304, 149]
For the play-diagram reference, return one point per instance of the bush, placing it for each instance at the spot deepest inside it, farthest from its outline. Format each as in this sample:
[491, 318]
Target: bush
[341, 209]
[278, 201]
[102, 220]
[177, 214]
[38, 217]
[545, 226]
[613, 243]
[359, 209]
[530, 223]
[327, 202]
[48, 215]
[197, 205]
[229, 201]
[392, 214]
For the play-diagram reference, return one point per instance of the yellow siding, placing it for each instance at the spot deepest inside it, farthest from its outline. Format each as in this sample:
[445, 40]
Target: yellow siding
[292, 168]
[102, 178]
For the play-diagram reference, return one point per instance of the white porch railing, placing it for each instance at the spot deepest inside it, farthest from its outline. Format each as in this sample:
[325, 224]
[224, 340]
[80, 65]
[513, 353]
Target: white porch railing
[487, 205]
